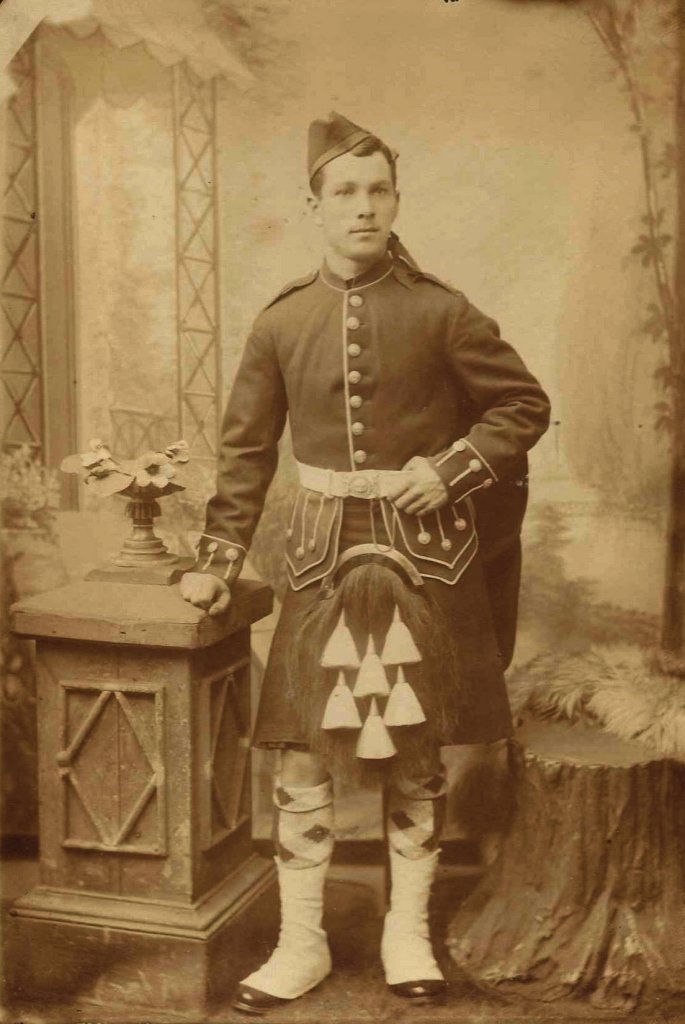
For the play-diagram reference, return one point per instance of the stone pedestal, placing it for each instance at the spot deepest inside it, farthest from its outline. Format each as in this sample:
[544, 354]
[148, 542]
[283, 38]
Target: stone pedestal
[146, 856]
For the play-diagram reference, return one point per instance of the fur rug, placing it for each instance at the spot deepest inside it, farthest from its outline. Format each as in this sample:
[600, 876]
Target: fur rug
[617, 687]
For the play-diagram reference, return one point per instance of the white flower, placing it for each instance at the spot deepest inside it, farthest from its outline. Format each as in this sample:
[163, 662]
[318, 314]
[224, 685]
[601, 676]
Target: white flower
[178, 451]
[143, 478]
[89, 459]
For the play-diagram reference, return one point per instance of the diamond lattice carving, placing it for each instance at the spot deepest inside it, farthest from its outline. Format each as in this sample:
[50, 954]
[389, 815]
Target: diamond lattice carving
[21, 400]
[112, 768]
[227, 717]
[197, 261]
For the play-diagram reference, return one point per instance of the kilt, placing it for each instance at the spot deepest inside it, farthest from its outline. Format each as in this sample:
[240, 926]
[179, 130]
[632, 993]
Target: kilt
[465, 609]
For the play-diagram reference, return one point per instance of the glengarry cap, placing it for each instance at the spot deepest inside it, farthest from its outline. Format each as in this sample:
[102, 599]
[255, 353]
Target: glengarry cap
[330, 139]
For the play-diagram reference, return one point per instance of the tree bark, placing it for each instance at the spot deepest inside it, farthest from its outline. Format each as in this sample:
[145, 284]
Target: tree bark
[586, 899]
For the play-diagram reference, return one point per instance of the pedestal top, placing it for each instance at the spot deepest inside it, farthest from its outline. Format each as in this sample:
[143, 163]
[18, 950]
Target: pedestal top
[136, 613]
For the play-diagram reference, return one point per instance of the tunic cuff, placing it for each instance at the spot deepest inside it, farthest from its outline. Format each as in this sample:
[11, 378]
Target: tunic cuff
[463, 469]
[219, 557]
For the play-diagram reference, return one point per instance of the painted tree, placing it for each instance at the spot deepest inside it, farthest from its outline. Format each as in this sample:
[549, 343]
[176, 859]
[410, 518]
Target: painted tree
[645, 41]
[603, 920]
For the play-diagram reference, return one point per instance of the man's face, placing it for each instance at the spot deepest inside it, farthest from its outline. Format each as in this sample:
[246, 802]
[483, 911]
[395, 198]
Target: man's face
[357, 207]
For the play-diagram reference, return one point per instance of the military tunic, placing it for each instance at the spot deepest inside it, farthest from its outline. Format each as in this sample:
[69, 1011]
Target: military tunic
[371, 372]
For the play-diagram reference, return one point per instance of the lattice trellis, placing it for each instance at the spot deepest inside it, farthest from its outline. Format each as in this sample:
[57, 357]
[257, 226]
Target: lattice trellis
[197, 261]
[21, 358]
[136, 430]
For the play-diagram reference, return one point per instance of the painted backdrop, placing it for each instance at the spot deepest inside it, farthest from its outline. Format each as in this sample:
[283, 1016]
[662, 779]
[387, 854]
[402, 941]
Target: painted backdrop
[522, 184]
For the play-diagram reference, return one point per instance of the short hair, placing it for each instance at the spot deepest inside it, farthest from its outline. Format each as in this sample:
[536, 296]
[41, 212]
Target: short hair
[367, 147]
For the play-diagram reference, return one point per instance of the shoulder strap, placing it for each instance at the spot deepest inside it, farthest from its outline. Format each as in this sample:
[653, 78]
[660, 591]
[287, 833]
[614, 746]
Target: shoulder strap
[407, 271]
[292, 286]
[436, 280]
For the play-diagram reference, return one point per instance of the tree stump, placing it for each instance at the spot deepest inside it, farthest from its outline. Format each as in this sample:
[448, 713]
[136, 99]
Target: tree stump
[586, 898]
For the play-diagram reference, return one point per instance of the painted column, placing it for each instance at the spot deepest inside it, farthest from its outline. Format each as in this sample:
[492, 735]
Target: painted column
[197, 261]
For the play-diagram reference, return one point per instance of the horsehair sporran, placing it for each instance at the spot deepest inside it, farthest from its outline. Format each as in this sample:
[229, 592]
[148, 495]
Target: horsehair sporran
[368, 596]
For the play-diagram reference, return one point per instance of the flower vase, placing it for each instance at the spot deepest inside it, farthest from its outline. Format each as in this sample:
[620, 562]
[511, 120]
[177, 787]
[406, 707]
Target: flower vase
[144, 557]
[143, 547]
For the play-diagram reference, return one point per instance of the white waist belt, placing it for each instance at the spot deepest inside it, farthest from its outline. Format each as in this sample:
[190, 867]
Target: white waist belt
[362, 483]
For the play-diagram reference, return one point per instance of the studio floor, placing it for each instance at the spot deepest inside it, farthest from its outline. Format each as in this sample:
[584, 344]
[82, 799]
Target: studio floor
[355, 992]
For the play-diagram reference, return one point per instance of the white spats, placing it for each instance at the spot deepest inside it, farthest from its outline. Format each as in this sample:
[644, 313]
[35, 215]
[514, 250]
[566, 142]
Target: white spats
[303, 831]
[406, 949]
[302, 959]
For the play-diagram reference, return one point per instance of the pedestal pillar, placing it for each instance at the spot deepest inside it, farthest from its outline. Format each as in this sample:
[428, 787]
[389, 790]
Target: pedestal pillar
[143, 743]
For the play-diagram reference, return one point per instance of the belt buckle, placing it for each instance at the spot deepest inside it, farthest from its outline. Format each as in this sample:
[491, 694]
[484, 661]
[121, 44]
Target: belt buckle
[364, 485]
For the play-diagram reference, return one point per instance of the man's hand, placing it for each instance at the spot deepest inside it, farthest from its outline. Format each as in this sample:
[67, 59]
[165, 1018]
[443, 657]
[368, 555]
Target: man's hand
[205, 591]
[422, 491]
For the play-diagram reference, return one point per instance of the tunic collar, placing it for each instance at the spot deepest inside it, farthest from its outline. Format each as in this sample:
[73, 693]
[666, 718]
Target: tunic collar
[370, 276]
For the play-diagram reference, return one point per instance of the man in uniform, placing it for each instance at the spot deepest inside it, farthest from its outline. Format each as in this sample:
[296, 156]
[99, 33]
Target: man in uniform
[410, 421]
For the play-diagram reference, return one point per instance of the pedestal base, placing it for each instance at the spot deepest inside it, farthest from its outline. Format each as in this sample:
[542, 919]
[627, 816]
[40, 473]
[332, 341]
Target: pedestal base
[134, 951]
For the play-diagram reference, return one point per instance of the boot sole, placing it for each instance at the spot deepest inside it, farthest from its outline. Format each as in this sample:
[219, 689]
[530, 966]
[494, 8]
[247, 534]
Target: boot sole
[251, 1010]
[421, 999]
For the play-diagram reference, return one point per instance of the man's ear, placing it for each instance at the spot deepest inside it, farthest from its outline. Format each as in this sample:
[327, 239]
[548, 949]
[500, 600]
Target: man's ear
[314, 206]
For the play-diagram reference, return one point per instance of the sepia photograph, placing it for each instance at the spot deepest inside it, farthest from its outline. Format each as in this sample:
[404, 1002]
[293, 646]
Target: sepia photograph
[342, 600]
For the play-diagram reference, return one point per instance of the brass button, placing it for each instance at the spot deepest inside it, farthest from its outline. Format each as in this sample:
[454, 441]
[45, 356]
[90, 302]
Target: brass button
[352, 323]
[356, 300]
[459, 446]
[424, 537]
[232, 555]
[357, 429]
[354, 376]
[299, 553]
[446, 544]
[356, 401]
[460, 524]
[475, 465]
[359, 456]
[354, 349]
[488, 482]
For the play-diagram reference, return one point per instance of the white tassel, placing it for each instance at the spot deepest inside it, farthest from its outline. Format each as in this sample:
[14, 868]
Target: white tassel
[375, 742]
[341, 709]
[371, 680]
[403, 707]
[340, 651]
[399, 647]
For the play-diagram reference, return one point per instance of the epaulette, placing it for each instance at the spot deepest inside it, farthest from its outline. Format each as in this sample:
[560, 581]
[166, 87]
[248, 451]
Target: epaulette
[292, 286]
[409, 273]
[436, 280]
